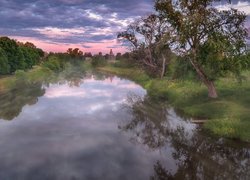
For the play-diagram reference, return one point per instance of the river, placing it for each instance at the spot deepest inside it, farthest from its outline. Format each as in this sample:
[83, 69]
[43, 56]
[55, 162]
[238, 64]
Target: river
[97, 126]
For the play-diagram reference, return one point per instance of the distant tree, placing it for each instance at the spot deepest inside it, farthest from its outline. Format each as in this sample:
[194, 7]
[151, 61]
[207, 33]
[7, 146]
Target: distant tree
[88, 54]
[126, 55]
[75, 53]
[98, 60]
[30, 45]
[100, 54]
[106, 56]
[118, 56]
[211, 40]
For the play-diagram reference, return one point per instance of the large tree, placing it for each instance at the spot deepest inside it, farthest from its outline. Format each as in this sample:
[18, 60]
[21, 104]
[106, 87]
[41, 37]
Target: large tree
[146, 39]
[211, 40]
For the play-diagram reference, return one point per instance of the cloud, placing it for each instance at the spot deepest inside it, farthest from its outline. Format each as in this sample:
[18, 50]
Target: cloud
[80, 23]
[69, 22]
[240, 5]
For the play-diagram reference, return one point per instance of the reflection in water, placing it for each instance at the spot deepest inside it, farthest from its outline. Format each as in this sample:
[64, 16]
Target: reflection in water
[70, 132]
[12, 102]
[195, 155]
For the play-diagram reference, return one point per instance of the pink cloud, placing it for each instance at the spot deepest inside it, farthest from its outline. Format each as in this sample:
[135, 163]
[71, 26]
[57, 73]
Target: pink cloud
[54, 47]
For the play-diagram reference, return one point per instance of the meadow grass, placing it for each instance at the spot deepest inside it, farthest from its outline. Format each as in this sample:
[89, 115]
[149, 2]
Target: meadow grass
[228, 116]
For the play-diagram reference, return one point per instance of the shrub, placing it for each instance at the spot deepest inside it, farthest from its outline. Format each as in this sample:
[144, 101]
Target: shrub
[54, 64]
[98, 61]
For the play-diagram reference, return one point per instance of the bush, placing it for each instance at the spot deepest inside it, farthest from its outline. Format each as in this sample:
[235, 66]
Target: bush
[181, 69]
[98, 61]
[54, 64]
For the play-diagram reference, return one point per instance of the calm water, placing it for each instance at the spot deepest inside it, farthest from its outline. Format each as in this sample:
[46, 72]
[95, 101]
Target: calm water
[97, 126]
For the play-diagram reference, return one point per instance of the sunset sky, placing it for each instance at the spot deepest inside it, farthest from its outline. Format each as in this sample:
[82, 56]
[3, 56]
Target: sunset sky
[91, 25]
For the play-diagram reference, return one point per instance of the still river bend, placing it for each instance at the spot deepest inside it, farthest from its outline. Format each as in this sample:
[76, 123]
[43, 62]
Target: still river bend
[97, 126]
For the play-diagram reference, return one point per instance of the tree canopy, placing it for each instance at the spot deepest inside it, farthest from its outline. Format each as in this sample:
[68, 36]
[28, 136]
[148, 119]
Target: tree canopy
[16, 55]
[211, 40]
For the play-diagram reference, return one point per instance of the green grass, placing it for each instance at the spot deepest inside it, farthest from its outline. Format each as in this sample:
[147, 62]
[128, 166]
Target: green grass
[228, 116]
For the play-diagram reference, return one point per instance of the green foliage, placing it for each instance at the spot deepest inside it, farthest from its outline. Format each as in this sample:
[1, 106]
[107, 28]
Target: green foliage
[21, 77]
[98, 61]
[210, 39]
[4, 65]
[123, 63]
[13, 53]
[31, 56]
[75, 53]
[179, 68]
[19, 55]
[228, 116]
[217, 61]
[54, 64]
[230, 128]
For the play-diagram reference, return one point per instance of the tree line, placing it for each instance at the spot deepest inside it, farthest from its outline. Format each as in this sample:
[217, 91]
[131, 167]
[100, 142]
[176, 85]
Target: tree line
[200, 38]
[16, 55]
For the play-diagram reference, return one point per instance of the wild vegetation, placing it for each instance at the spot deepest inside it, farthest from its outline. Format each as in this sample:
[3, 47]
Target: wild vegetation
[183, 52]
[210, 41]
[189, 48]
[18, 56]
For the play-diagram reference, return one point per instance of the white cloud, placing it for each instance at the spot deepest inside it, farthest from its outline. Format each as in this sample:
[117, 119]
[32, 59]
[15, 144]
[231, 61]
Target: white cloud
[89, 13]
[53, 32]
[241, 6]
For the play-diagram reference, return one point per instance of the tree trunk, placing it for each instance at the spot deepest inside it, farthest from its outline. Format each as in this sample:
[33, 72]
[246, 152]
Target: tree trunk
[163, 66]
[212, 93]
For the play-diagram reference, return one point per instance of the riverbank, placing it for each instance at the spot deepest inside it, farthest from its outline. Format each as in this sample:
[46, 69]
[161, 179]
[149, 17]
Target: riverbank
[38, 74]
[228, 116]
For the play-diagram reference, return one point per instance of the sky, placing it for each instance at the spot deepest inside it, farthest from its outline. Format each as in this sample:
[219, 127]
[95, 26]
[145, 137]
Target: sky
[91, 25]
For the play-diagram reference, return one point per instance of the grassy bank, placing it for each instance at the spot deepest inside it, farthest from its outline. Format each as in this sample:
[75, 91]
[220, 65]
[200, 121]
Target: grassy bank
[228, 116]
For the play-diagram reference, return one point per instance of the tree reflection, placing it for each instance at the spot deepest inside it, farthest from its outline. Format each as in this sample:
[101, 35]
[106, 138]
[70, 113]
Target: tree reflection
[197, 156]
[25, 92]
[14, 100]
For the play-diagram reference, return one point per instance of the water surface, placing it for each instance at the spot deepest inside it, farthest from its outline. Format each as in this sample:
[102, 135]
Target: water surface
[96, 126]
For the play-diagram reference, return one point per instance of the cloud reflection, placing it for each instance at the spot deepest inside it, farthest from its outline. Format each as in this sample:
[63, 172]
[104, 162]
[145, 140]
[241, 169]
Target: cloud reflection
[93, 95]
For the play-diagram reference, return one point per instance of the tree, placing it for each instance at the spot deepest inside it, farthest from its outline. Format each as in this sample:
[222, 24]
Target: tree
[31, 54]
[118, 56]
[4, 66]
[88, 54]
[13, 53]
[206, 37]
[75, 53]
[30, 45]
[145, 36]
